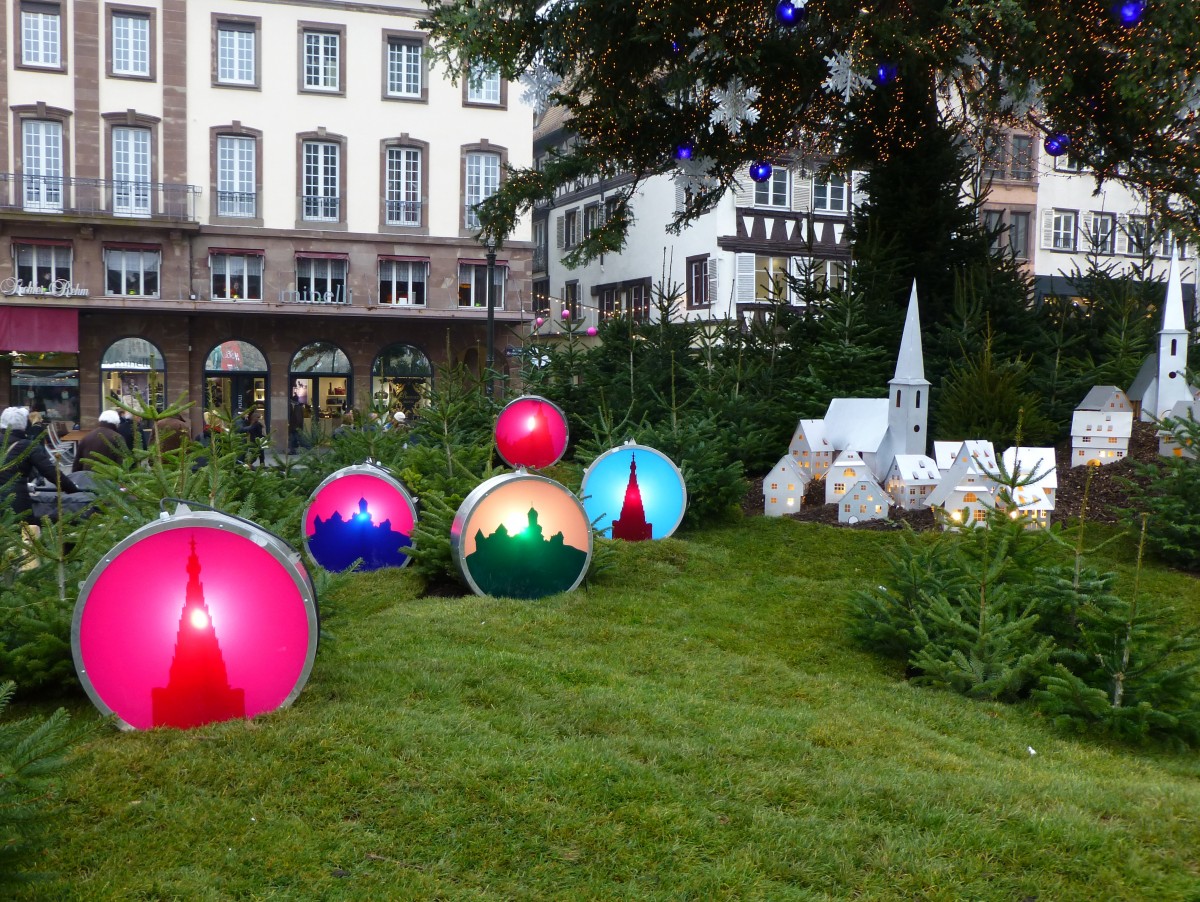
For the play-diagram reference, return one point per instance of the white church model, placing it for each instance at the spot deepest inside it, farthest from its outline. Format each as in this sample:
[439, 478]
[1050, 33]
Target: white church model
[1162, 382]
[872, 454]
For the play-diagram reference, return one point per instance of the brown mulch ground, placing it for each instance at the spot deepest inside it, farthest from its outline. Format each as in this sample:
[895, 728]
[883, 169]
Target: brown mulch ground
[1107, 494]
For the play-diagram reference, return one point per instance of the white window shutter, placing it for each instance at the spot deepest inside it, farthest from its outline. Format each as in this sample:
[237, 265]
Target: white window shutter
[1086, 242]
[714, 282]
[1048, 228]
[743, 192]
[745, 278]
[858, 194]
[559, 231]
[680, 198]
[801, 193]
[1122, 242]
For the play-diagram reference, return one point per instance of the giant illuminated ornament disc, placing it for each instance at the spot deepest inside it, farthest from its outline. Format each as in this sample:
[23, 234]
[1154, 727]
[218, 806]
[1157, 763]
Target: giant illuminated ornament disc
[634, 492]
[359, 513]
[521, 536]
[531, 432]
[195, 618]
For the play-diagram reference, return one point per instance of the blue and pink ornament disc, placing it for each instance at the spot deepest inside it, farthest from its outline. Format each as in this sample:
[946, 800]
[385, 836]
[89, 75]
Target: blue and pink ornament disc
[359, 513]
[531, 432]
[634, 492]
[195, 618]
[520, 535]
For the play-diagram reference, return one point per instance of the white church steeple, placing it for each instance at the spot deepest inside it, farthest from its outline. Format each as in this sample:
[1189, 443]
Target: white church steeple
[908, 401]
[1169, 384]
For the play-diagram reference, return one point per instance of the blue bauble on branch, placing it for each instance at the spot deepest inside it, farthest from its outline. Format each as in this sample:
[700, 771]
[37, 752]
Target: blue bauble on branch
[760, 171]
[1129, 12]
[1057, 144]
[885, 73]
[683, 151]
[791, 12]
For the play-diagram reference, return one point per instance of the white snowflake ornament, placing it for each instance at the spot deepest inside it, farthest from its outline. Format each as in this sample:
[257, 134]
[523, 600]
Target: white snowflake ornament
[735, 105]
[539, 83]
[695, 176]
[842, 78]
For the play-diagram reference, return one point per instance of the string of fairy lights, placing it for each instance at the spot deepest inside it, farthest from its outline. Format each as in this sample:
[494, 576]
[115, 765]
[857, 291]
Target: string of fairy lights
[1117, 88]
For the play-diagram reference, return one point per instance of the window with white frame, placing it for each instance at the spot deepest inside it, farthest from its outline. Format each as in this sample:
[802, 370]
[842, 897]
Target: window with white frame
[570, 229]
[322, 61]
[130, 44]
[321, 279]
[131, 171]
[236, 177]
[236, 277]
[236, 52]
[774, 191]
[1138, 230]
[829, 275]
[483, 180]
[472, 285]
[131, 272]
[404, 67]
[770, 278]
[1104, 233]
[483, 85]
[591, 219]
[403, 186]
[402, 282]
[322, 172]
[40, 266]
[42, 165]
[697, 286]
[830, 195]
[41, 35]
[1062, 237]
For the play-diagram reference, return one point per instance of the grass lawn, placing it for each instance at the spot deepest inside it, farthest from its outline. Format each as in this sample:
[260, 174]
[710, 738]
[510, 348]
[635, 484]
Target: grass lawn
[693, 725]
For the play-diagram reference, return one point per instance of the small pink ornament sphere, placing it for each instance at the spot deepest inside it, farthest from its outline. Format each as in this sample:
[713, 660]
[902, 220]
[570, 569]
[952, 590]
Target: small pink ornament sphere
[538, 321]
[566, 314]
[593, 331]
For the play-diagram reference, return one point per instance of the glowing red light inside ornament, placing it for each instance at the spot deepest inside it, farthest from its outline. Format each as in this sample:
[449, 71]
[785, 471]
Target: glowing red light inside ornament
[531, 432]
[194, 619]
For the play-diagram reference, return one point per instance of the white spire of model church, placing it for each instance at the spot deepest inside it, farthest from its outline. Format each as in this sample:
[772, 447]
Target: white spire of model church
[910, 364]
[1173, 319]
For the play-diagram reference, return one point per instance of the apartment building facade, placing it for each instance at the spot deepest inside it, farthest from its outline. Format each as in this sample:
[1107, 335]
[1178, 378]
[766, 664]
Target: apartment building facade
[250, 203]
[731, 261]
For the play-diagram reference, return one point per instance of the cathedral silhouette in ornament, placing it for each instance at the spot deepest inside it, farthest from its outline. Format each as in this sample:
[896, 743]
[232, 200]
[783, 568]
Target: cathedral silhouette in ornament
[197, 690]
[631, 525]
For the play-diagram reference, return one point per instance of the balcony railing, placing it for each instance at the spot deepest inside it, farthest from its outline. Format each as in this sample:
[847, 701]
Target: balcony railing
[98, 197]
[320, 208]
[403, 212]
[243, 205]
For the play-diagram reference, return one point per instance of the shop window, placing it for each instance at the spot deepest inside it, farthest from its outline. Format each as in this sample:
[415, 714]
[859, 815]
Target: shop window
[236, 277]
[42, 268]
[320, 279]
[132, 272]
[402, 282]
[472, 285]
[399, 375]
[132, 372]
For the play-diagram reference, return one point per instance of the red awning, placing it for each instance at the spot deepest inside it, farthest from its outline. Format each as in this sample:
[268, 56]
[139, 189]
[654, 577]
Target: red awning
[42, 329]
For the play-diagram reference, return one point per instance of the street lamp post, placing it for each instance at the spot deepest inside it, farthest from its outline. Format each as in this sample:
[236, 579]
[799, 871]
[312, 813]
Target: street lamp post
[489, 244]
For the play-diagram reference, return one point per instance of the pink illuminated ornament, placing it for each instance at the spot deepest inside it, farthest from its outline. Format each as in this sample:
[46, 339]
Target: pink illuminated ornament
[195, 618]
[531, 432]
[519, 535]
[360, 514]
[539, 321]
[592, 331]
[566, 314]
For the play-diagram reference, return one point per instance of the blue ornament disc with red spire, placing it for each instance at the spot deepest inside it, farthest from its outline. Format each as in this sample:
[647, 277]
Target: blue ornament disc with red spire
[634, 492]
